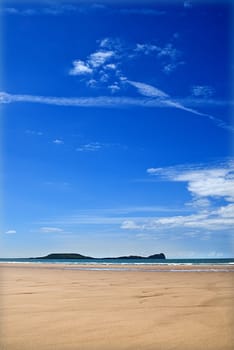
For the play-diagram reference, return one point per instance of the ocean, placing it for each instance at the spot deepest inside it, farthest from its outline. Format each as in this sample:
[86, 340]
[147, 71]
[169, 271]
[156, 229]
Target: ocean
[111, 264]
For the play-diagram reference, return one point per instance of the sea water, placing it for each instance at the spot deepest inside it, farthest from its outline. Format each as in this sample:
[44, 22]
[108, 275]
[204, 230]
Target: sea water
[128, 264]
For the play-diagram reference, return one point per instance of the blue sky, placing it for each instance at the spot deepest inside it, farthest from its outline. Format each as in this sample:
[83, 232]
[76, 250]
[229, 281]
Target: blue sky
[117, 128]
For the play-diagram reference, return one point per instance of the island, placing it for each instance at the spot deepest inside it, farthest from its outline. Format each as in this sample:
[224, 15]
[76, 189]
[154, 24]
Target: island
[79, 256]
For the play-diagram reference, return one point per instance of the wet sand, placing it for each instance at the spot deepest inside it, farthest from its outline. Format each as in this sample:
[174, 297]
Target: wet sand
[44, 307]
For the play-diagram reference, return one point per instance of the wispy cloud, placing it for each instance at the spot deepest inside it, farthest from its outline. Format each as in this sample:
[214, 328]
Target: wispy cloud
[205, 91]
[188, 4]
[112, 44]
[170, 67]
[200, 221]
[53, 8]
[221, 219]
[204, 102]
[168, 55]
[33, 132]
[148, 90]
[114, 87]
[101, 101]
[18, 11]
[155, 98]
[199, 203]
[168, 51]
[91, 147]
[10, 232]
[141, 11]
[166, 100]
[50, 229]
[58, 142]
[112, 216]
[98, 146]
[104, 68]
[57, 186]
[146, 48]
[61, 9]
[40, 10]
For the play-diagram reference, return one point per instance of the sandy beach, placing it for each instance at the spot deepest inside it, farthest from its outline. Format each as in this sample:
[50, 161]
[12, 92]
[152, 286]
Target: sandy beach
[57, 307]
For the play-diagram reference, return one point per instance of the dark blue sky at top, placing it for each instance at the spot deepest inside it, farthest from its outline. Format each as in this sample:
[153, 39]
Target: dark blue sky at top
[76, 178]
[51, 47]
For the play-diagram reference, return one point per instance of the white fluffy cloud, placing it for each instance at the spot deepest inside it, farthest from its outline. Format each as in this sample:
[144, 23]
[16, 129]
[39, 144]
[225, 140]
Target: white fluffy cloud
[96, 61]
[101, 67]
[206, 185]
[227, 211]
[105, 65]
[114, 87]
[206, 182]
[80, 68]
[130, 225]
[98, 58]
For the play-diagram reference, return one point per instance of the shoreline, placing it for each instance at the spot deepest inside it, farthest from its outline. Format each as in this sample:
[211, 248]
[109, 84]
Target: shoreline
[123, 267]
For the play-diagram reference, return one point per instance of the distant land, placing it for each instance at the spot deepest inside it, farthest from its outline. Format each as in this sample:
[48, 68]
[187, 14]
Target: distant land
[79, 256]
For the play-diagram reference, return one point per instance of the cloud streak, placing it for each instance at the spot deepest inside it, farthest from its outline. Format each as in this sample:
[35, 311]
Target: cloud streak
[155, 98]
[148, 90]
[153, 92]
[101, 101]
[141, 11]
[221, 219]
[50, 229]
[103, 69]
[53, 10]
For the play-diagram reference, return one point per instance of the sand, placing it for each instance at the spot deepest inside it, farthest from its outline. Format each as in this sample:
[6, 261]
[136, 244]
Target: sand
[50, 307]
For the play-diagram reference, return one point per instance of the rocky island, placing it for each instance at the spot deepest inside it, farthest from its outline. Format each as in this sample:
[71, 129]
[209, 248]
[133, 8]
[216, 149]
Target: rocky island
[79, 256]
